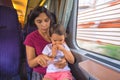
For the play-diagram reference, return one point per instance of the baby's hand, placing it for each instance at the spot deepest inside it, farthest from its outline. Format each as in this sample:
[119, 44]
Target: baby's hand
[60, 47]
[54, 47]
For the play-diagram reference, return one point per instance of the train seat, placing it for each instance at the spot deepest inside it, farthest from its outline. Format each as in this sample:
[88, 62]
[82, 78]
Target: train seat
[10, 43]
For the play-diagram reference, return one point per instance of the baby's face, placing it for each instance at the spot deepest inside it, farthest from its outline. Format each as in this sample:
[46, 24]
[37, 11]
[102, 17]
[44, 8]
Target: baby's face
[57, 39]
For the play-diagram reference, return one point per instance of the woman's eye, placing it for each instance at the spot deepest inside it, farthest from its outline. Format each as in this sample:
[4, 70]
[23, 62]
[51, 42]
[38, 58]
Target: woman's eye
[46, 20]
[39, 21]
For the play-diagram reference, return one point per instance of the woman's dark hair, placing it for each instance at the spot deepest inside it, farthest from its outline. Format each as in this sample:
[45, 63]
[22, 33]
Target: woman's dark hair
[54, 19]
[57, 29]
[35, 13]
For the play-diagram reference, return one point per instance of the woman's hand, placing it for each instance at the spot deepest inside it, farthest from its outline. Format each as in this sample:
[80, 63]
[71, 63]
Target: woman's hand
[42, 60]
[61, 64]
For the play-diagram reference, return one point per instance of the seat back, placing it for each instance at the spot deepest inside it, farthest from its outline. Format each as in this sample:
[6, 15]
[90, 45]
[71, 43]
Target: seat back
[27, 29]
[10, 41]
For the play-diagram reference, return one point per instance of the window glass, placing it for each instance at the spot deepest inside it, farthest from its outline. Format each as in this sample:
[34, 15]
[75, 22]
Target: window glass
[98, 27]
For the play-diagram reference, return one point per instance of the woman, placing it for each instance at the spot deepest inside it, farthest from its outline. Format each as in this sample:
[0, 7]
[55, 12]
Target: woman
[36, 41]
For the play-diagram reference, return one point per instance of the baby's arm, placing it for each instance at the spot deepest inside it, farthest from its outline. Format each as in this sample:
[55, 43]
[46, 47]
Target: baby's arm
[67, 53]
[54, 50]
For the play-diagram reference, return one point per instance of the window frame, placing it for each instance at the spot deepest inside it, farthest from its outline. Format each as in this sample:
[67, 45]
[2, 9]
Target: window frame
[71, 41]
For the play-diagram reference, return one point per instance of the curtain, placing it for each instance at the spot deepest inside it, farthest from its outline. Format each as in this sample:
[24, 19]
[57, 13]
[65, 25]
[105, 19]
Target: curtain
[62, 9]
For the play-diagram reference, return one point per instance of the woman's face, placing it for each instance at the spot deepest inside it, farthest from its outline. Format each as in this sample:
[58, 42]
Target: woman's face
[42, 22]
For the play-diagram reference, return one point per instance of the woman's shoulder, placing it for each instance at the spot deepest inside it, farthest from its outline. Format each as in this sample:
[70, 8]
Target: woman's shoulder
[35, 36]
[31, 37]
[32, 34]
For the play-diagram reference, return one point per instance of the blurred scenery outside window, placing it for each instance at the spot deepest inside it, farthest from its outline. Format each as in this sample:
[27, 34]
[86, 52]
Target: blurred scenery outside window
[98, 27]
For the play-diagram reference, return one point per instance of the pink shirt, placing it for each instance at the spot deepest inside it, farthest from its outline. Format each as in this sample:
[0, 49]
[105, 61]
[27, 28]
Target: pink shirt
[36, 41]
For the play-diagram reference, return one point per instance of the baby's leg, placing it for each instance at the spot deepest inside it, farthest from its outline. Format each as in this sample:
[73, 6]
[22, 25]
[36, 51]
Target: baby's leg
[66, 75]
[49, 76]
[66, 79]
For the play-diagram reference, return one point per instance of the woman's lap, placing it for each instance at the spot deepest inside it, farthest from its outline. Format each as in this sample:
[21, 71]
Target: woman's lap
[37, 76]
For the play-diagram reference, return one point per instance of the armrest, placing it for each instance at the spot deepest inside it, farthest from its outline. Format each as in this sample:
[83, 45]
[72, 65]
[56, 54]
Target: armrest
[98, 71]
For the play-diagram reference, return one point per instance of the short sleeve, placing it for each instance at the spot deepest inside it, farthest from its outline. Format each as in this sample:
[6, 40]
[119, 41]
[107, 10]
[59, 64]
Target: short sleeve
[66, 47]
[47, 50]
[28, 41]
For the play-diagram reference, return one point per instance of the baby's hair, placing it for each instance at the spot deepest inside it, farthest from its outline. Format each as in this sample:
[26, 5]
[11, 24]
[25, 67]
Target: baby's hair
[57, 29]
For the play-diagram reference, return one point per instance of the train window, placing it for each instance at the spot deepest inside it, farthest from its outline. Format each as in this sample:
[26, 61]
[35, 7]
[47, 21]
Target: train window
[98, 27]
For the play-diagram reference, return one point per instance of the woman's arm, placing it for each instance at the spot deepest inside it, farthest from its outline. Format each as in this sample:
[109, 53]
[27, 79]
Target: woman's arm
[34, 60]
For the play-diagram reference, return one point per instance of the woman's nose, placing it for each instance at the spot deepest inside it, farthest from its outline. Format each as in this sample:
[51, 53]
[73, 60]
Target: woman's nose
[43, 23]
